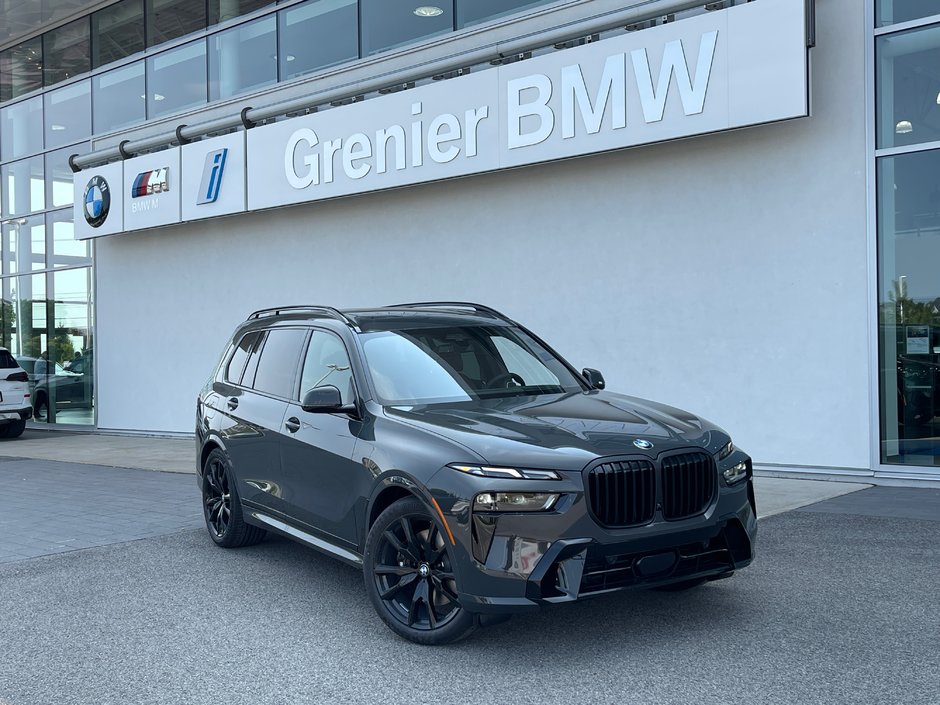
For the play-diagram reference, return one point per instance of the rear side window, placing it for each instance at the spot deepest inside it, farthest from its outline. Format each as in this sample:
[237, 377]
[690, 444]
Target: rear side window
[6, 360]
[277, 366]
[236, 365]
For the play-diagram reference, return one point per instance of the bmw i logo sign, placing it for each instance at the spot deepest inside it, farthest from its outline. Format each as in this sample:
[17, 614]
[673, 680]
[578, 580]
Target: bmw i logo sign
[97, 201]
[642, 445]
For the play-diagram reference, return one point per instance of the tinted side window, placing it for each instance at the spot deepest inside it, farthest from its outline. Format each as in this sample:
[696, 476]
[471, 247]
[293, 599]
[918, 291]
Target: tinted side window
[327, 363]
[251, 367]
[233, 373]
[277, 367]
[6, 360]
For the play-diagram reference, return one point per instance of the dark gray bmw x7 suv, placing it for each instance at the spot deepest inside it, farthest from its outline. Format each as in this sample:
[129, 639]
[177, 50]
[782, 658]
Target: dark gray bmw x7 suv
[467, 468]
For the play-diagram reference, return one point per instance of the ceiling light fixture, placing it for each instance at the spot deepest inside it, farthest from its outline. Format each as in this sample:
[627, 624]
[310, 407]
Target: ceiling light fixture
[58, 128]
[904, 127]
[428, 11]
[938, 98]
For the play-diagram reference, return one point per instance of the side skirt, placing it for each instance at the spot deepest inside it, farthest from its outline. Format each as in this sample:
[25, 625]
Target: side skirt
[292, 532]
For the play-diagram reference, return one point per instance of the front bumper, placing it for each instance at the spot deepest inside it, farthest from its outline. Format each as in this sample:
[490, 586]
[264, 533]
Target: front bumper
[565, 555]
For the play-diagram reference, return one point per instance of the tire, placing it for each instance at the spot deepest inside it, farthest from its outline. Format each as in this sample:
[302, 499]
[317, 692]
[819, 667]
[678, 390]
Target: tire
[41, 409]
[408, 571]
[14, 429]
[221, 507]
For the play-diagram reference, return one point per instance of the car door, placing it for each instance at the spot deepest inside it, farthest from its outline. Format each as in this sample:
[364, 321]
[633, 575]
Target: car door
[252, 419]
[318, 451]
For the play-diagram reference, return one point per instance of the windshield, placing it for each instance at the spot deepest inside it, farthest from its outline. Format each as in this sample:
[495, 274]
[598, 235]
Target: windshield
[461, 363]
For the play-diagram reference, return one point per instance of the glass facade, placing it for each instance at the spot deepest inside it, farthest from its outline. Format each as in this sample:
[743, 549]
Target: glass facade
[243, 58]
[907, 78]
[81, 80]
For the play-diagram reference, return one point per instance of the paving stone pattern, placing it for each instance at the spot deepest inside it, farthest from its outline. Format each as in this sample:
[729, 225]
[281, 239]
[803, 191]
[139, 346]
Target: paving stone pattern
[51, 507]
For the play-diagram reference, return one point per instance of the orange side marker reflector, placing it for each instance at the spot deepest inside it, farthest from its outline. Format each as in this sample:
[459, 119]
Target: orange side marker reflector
[441, 515]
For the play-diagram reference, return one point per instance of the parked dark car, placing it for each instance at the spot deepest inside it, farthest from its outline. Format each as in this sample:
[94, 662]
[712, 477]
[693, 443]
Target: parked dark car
[467, 468]
[71, 389]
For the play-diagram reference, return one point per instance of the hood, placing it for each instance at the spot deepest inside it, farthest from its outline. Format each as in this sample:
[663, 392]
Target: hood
[561, 431]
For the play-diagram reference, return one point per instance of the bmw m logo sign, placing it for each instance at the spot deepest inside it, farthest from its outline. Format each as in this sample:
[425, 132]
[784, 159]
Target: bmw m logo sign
[148, 183]
[642, 445]
[97, 201]
[211, 177]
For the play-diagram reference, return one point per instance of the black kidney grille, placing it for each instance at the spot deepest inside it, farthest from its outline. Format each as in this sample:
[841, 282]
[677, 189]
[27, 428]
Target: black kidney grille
[689, 482]
[623, 493]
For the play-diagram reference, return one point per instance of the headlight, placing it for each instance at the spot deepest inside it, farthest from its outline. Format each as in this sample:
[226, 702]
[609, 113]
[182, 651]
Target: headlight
[514, 501]
[511, 473]
[736, 473]
[726, 451]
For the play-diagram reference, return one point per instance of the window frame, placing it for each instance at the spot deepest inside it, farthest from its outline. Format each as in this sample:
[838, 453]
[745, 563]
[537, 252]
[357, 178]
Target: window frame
[357, 397]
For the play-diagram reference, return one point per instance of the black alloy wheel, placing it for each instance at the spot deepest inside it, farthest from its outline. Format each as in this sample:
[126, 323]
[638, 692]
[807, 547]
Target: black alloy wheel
[410, 579]
[221, 506]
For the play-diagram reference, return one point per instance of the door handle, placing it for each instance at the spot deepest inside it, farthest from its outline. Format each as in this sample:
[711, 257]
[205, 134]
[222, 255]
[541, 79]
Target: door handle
[292, 424]
[232, 403]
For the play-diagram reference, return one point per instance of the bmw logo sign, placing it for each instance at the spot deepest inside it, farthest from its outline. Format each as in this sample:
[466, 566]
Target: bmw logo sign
[97, 201]
[642, 445]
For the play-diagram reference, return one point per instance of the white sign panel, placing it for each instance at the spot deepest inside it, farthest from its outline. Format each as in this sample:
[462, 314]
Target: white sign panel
[721, 70]
[424, 134]
[98, 201]
[213, 177]
[152, 190]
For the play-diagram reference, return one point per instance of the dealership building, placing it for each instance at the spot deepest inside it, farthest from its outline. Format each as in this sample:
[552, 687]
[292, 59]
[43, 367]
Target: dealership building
[731, 207]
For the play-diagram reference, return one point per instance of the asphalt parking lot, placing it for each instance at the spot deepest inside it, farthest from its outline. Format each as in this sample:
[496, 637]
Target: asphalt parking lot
[840, 607]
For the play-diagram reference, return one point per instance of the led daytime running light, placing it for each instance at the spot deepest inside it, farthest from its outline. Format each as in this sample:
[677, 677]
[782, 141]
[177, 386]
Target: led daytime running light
[508, 473]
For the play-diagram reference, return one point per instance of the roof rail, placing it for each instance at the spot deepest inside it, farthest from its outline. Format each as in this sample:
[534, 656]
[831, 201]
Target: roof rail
[327, 311]
[453, 304]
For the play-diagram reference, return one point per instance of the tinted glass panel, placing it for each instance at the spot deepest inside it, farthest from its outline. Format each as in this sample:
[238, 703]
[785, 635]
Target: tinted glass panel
[326, 363]
[59, 175]
[236, 365]
[21, 69]
[117, 31]
[317, 34]
[118, 98]
[170, 19]
[176, 79]
[23, 189]
[908, 84]
[67, 51]
[21, 129]
[222, 10]
[470, 12]
[390, 23]
[277, 368]
[909, 308]
[894, 11]
[71, 350]
[243, 58]
[68, 114]
[66, 250]
[24, 245]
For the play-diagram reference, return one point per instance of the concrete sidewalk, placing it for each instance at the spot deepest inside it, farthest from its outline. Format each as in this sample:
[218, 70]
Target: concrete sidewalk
[774, 495]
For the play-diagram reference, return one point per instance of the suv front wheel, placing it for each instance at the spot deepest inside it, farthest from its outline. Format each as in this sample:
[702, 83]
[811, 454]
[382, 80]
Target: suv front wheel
[409, 575]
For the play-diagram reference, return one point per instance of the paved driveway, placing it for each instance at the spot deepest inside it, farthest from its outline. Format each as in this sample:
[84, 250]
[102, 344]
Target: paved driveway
[840, 607]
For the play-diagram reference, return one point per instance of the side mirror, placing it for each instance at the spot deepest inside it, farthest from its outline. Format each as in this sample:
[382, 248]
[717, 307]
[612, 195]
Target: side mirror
[594, 378]
[325, 400]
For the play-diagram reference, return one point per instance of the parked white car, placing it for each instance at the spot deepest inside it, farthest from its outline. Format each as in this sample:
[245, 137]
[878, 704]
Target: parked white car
[15, 407]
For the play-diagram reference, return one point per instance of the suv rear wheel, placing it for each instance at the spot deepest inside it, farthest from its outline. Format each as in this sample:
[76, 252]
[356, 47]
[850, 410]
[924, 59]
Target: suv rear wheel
[409, 576]
[13, 429]
[221, 506]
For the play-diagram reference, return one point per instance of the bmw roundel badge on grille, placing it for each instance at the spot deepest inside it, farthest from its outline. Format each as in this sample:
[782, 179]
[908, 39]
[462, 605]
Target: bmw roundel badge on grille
[641, 444]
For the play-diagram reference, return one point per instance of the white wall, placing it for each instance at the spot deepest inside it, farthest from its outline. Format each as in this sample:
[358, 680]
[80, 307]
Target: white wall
[724, 274]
